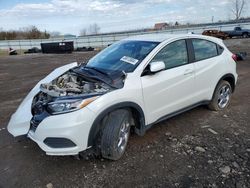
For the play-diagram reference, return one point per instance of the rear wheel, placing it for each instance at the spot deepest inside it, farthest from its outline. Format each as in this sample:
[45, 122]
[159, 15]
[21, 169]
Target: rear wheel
[115, 134]
[245, 35]
[221, 97]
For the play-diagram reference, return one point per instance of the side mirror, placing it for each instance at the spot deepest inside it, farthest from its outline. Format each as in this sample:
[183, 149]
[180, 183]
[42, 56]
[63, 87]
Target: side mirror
[157, 66]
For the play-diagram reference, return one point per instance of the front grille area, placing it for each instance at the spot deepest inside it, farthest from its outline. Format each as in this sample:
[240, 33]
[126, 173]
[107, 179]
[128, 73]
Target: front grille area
[33, 125]
[38, 108]
[37, 119]
[38, 111]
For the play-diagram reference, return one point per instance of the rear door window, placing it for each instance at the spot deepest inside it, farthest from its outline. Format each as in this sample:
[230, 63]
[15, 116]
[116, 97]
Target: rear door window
[204, 49]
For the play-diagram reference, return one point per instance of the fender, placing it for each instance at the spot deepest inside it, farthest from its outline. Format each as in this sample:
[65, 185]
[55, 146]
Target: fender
[19, 123]
[228, 77]
[136, 111]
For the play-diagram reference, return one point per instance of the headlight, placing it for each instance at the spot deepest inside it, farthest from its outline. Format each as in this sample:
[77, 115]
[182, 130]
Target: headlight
[64, 106]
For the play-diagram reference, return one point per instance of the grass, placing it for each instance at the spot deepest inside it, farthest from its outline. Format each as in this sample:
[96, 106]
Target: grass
[5, 52]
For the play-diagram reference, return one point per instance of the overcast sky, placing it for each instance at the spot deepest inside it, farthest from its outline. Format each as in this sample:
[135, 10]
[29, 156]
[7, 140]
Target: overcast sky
[69, 16]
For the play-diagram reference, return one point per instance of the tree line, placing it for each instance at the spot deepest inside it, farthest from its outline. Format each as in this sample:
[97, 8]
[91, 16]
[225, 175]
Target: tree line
[31, 32]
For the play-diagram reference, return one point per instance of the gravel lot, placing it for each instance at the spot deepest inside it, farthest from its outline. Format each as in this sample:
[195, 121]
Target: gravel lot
[199, 148]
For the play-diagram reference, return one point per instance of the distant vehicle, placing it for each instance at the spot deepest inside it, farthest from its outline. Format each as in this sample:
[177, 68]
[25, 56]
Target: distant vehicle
[12, 51]
[85, 49]
[238, 32]
[33, 50]
[216, 33]
[132, 84]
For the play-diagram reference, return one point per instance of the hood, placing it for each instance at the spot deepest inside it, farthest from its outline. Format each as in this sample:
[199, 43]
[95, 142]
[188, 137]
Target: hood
[81, 81]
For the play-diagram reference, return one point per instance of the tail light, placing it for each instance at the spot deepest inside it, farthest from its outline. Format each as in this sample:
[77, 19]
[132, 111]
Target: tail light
[235, 58]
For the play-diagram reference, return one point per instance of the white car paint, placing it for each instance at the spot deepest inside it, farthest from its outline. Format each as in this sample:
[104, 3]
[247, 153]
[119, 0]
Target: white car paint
[168, 86]
[157, 95]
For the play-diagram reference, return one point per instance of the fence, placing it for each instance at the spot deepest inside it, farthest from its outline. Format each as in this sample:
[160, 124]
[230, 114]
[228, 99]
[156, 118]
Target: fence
[104, 40]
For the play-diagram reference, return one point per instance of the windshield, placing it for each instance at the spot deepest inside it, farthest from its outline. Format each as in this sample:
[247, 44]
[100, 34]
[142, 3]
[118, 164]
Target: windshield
[122, 56]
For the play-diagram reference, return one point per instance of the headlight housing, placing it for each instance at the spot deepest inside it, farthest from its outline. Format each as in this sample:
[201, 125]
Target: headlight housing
[65, 106]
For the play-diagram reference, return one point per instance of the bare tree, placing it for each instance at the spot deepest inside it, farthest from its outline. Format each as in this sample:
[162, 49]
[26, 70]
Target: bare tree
[54, 34]
[238, 7]
[83, 32]
[32, 32]
[170, 23]
[94, 29]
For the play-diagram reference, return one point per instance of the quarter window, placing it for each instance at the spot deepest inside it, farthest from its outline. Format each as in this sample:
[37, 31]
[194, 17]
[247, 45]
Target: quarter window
[204, 49]
[173, 55]
[220, 49]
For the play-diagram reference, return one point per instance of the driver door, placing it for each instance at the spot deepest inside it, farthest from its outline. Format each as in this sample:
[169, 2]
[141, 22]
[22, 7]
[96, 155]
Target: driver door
[171, 89]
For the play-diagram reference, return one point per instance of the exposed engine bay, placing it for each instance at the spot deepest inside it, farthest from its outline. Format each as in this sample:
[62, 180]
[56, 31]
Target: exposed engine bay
[67, 93]
[71, 84]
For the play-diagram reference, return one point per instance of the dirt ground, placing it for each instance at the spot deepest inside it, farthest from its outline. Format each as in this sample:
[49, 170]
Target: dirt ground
[199, 148]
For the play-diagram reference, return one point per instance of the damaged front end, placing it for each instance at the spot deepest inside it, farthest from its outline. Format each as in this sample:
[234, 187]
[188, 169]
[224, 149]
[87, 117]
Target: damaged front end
[71, 91]
[66, 89]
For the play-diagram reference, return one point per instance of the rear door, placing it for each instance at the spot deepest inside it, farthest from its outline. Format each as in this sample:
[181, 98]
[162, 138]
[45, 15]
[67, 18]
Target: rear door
[207, 68]
[170, 90]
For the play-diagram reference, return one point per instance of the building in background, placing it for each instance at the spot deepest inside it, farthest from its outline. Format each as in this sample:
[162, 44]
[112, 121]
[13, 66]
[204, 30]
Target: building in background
[161, 26]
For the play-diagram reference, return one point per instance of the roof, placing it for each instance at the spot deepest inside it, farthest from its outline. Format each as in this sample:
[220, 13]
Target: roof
[159, 37]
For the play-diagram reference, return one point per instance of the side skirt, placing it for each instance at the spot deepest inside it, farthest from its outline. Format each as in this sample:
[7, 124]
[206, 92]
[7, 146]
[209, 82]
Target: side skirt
[168, 116]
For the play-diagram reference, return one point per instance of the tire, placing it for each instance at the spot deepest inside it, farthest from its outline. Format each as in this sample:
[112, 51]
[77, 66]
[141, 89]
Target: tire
[115, 134]
[245, 35]
[221, 97]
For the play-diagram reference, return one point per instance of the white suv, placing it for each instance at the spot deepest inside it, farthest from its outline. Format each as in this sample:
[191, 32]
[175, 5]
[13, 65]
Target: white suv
[132, 84]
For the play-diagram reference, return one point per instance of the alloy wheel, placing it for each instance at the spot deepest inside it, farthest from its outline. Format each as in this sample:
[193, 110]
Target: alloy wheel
[224, 96]
[123, 136]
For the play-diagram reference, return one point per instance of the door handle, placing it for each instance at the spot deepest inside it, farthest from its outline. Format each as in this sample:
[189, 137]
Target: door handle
[188, 72]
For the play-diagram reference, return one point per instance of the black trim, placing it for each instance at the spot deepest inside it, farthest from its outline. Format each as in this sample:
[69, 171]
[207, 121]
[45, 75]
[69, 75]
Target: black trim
[59, 142]
[220, 49]
[168, 116]
[190, 49]
[96, 127]
[231, 76]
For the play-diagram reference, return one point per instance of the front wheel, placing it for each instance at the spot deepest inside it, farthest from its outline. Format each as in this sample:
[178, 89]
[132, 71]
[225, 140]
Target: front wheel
[221, 97]
[115, 134]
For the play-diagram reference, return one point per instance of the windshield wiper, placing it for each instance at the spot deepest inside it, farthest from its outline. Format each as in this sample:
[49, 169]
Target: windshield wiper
[97, 70]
